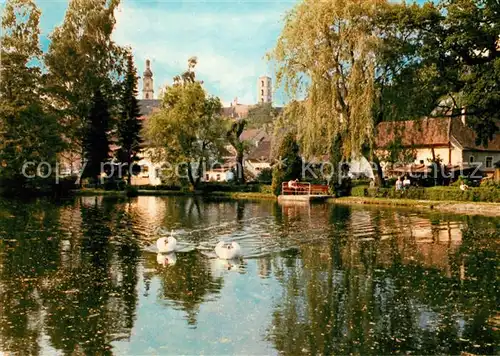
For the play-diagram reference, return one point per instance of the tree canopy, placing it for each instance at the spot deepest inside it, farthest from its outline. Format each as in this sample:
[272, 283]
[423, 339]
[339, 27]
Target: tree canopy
[188, 128]
[352, 64]
[129, 125]
[29, 131]
[81, 59]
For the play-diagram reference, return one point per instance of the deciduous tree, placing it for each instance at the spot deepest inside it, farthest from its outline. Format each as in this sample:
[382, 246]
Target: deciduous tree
[233, 135]
[83, 58]
[95, 139]
[188, 128]
[28, 129]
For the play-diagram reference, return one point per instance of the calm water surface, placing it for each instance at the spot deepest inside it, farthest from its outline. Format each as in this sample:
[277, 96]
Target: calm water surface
[82, 277]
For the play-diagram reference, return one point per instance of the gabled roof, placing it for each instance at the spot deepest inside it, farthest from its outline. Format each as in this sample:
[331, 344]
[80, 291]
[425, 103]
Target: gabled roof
[432, 132]
[260, 153]
[255, 135]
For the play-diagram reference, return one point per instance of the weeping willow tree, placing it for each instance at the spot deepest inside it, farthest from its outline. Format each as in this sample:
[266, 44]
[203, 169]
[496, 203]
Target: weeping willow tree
[326, 53]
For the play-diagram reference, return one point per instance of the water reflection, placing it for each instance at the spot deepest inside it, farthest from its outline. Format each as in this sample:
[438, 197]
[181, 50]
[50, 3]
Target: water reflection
[321, 279]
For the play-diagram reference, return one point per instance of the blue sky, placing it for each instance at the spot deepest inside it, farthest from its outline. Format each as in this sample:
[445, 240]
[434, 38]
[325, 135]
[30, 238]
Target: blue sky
[229, 37]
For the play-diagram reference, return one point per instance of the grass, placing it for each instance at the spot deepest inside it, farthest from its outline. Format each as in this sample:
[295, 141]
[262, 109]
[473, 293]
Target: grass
[226, 195]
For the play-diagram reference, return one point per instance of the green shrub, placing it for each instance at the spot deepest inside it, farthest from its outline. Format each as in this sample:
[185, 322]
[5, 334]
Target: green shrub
[359, 191]
[158, 187]
[131, 191]
[266, 189]
[485, 194]
[265, 176]
[292, 167]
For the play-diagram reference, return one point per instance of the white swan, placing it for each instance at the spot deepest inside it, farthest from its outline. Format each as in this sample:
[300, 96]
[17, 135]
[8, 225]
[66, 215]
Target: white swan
[166, 259]
[166, 244]
[228, 251]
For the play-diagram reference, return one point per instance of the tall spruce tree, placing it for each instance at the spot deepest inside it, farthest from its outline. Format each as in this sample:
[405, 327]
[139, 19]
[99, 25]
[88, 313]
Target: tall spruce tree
[129, 125]
[95, 140]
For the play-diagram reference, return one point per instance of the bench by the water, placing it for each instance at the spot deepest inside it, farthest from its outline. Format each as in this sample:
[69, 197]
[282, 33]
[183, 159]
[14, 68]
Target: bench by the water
[303, 192]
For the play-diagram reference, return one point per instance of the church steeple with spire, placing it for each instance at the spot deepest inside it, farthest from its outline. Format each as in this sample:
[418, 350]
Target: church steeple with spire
[147, 82]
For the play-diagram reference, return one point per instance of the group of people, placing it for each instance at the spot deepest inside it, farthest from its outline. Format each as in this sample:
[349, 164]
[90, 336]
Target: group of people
[403, 184]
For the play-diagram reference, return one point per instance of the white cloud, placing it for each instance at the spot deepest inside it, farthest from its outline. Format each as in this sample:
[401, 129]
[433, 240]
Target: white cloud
[230, 46]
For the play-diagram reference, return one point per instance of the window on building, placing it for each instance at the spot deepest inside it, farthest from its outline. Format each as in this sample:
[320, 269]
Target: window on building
[489, 162]
[147, 96]
[145, 171]
[207, 177]
[262, 92]
[218, 177]
[262, 82]
[421, 161]
[471, 159]
[157, 172]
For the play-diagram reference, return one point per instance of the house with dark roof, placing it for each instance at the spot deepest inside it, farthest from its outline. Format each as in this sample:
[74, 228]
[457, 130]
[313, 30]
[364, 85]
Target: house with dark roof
[258, 156]
[448, 139]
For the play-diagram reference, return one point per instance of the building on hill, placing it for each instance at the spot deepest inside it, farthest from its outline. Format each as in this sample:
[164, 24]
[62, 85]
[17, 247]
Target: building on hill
[450, 139]
[236, 110]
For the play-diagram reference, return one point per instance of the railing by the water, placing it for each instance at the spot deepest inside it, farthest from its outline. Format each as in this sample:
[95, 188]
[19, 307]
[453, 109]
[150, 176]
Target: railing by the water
[297, 188]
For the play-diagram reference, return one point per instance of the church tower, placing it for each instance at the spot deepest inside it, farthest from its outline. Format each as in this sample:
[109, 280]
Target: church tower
[265, 90]
[147, 82]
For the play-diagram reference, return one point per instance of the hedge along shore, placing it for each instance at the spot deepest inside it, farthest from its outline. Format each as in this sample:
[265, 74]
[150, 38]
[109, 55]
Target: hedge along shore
[457, 207]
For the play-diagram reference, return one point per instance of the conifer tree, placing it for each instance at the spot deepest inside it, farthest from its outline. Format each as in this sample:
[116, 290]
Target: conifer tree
[289, 166]
[129, 125]
[95, 140]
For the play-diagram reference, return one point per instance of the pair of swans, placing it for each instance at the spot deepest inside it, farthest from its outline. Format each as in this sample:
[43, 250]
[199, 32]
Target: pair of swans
[223, 250]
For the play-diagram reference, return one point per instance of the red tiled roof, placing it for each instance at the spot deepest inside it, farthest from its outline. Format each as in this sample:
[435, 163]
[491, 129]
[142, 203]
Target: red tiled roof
[431, 132]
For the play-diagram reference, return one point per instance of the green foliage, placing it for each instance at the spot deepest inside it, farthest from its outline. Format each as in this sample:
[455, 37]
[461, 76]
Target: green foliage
[261, 115]
[29, 131]
[81, 59]
[395, 152]
[327, 48]
[129, 126]
[131, 191]
[188, 128]
[265, 176]
[489, 183]
[358, 63]
[462, 56]
[95, 141]
[289, 166]
[483, 194]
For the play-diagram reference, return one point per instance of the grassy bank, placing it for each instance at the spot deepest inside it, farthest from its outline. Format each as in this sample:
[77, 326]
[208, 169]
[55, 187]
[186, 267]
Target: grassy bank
[149, 192]
[474, 208]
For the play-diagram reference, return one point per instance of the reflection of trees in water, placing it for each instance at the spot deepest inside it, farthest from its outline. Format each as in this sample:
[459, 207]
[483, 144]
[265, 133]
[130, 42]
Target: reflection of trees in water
[28, 253]
[186, 284]
[87, 299]
[339, 298]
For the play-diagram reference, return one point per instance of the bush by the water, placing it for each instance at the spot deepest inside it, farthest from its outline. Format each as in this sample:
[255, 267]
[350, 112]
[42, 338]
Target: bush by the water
[483, 194]
[292, 167]
[131, 191]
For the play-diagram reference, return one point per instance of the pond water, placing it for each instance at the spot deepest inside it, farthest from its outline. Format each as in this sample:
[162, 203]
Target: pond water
[82, 277]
